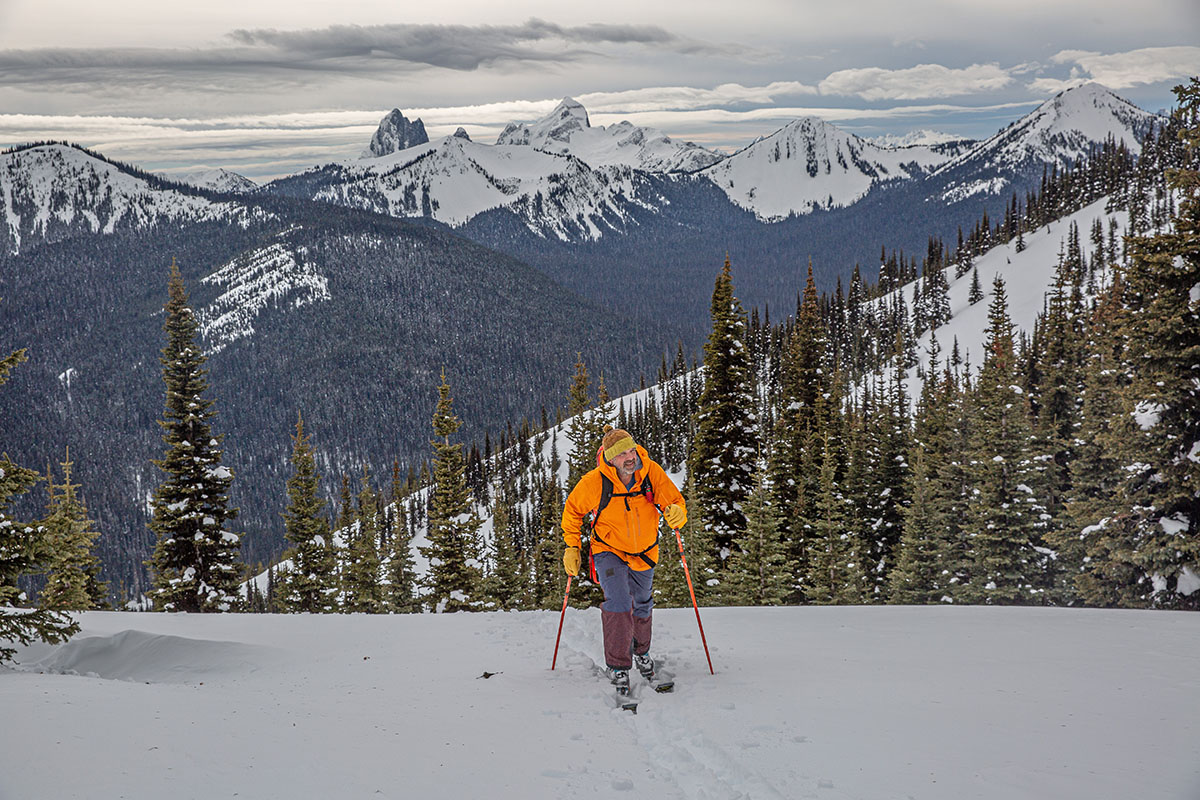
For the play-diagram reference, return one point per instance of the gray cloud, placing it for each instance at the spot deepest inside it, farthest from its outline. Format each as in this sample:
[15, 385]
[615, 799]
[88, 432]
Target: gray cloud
[460, 47]
[297, 56]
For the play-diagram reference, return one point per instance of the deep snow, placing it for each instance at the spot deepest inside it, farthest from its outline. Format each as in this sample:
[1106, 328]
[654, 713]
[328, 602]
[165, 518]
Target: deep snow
[839, 702]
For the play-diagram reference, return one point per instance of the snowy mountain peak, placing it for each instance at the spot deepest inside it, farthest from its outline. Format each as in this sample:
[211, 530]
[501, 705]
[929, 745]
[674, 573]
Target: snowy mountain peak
[924, 137]
[568, 131]
[396, 133]
[810, 164]
[54, 191]
[216, 179]
[1061, 130]
[567, 118]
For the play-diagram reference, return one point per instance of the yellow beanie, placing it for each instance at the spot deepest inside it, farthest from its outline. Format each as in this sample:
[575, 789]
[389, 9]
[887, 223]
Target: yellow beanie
[615, 441]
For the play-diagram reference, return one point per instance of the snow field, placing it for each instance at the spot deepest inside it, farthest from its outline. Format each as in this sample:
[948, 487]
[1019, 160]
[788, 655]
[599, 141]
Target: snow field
[933, 703]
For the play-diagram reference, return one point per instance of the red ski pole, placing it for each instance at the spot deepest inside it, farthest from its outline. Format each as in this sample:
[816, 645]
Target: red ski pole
[687, 574]
[560, 622]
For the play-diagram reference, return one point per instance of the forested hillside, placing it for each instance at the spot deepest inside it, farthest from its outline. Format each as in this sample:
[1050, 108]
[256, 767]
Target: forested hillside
[1055, 469]
[344, 316]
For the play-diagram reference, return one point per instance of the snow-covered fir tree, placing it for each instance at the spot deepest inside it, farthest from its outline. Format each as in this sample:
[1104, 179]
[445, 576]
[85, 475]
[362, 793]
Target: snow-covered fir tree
[722, 461]
[196, 564]
[1159, 496]
[758, 573]
[22, 546]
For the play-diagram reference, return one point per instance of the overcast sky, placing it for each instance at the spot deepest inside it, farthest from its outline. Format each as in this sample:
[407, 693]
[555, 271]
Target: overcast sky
[269, 87]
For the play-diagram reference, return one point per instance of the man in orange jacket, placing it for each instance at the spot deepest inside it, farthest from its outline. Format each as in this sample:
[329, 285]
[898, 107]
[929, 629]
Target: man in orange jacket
[623, 495]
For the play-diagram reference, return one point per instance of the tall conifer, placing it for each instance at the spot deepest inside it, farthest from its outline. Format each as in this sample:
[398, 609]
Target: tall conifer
[453, 551]
[311, 583]
[196, 565]
[22, 546]
[1159, 496]
[73, 582]
[723, 453]
[1004, 514]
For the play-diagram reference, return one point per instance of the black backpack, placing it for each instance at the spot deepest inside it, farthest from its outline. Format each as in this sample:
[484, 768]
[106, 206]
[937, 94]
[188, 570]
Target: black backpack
[606, 496]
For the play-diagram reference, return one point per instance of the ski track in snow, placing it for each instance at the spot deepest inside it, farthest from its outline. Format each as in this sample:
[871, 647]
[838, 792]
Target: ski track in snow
[686, 760]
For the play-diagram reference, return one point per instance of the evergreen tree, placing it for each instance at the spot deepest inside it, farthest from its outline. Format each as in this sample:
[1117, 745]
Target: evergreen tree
[196, 564]
[1159, 496]
[929, 565]
[73, 582]
[453, 551]
[834, 561]
[670, 580]
[1059, 373]
[1003, 511]
[362, 591]
[581, 430]
[401, 571]
[885, 485]
[1096, 560]
[759, 574]
[723, 453]
[548, 581]
[976, 292]
[794, 464]
[22, 546]
[501, 588]
[311, 585]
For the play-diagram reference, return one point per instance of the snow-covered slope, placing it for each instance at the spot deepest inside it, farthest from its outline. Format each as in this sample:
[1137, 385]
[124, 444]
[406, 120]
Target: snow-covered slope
[454, 179]
[1060, 131]
[277, 275]
[52, 191]
[869, 703]
[567, 131]
[1027, 275]
[216, 179]
[808, 165]
[922, 137]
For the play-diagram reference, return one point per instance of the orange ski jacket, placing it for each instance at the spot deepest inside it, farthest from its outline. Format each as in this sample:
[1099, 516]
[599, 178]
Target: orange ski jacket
[627, 526]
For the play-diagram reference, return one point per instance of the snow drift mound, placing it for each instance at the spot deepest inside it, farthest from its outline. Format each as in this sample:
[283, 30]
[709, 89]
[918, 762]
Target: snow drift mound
[154, 658]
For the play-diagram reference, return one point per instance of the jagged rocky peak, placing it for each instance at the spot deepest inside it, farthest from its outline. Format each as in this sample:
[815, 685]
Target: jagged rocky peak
[568, 117]
[461, 133]
[395, 133]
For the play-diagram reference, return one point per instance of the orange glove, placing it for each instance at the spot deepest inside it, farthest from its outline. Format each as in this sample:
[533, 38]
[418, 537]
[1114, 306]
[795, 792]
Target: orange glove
[571, 561]
[675, 516]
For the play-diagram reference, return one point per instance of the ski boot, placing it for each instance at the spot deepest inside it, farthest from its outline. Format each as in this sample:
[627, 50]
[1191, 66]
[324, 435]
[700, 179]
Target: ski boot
[620, 679]
[644, 664]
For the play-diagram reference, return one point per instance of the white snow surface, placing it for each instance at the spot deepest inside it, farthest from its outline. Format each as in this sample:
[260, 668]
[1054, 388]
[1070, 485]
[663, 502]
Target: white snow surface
[868, 703]
[1028, 276]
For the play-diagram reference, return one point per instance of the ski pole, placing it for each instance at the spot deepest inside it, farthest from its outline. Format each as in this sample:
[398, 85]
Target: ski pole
[560, 622]
[687, 574]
